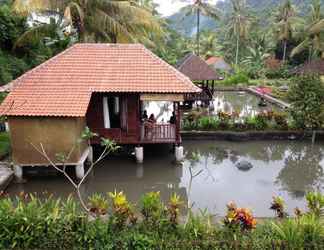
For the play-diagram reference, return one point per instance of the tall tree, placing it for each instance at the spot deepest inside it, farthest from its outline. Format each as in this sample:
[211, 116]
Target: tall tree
[209, 45]
[100, 20]
[312, 33]
[239, 24]
[286, 23]
[198, 8]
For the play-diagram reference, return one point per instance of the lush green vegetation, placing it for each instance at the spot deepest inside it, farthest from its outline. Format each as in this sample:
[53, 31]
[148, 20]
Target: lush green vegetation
[4, 144]
[13, 60]
[307, 98]
[196, 120]
[31, 223]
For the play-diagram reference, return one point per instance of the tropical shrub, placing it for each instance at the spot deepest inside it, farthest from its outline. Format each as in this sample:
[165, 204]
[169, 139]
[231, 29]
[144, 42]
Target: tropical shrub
[152, 207]
[239, 77]
[27, 222]
[232, 121]
[306, 95]
[4, 144]
[282, 72]
[239, 218]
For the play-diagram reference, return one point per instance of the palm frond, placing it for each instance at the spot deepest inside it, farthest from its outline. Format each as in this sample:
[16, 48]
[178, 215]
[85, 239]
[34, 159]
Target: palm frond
[26, 7]
[34, 34]
[300, 48]
[317, 27]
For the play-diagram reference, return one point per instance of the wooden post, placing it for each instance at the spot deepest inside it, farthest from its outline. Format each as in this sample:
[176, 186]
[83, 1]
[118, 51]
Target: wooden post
[178, 119]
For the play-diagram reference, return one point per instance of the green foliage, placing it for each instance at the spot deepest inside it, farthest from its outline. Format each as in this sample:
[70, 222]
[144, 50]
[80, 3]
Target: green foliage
[152, 207]
[13, 63]
[283, 72]
[225, 121]
[4, 144]
[98, 204]
[306, 95]
[315, 203]
[240, 77]
[11, 27]
[27, 222]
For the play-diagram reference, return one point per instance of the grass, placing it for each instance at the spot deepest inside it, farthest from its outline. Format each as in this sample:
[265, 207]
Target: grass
[4, 144]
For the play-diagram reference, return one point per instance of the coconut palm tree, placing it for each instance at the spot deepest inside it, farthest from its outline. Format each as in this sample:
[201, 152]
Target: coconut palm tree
[239, 24]
[100, 20]
[198, 8]
[312, 32]
[209, 45]
[286, 23]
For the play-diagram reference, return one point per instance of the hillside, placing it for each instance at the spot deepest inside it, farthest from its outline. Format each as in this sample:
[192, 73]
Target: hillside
[186, 24]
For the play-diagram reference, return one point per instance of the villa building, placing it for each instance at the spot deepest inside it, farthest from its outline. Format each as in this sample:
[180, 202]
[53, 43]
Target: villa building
[102, 86]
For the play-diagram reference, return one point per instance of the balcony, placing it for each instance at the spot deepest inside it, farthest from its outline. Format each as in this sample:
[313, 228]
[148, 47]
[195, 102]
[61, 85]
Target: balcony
[158, 133]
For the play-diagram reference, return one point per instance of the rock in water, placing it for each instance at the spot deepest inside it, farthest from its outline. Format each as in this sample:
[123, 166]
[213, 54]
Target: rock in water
[244, 165]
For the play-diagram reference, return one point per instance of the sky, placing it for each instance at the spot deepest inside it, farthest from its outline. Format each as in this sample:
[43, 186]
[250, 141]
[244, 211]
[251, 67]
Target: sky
[169, 7]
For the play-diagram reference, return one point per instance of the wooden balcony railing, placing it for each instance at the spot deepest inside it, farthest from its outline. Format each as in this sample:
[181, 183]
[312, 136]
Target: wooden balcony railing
[158, 133]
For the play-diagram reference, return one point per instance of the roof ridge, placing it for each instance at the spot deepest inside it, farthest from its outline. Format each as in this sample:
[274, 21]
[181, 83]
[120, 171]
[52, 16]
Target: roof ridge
[186, 59]
[178, 74]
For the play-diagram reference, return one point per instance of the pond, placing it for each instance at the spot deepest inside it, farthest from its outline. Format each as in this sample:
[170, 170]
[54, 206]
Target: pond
[244, 103]
[284, 168]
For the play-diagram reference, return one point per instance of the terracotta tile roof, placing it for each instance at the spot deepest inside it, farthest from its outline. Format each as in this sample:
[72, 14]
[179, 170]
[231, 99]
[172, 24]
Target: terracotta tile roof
[313, 67]
[213, 59]
[196, 68]
[63, 85]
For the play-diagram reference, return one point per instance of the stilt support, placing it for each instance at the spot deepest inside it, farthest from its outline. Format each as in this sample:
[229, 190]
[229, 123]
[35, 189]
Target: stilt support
[18, 171]
[139, 153]
[179, 153]
[79, 171]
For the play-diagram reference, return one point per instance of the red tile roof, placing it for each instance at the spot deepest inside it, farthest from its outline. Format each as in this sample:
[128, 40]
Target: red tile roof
[214, 59]
[196, 68]
[312, 67]
[63, 85]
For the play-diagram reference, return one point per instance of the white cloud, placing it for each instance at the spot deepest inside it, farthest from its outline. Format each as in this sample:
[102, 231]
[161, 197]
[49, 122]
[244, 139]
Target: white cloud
[169, 7]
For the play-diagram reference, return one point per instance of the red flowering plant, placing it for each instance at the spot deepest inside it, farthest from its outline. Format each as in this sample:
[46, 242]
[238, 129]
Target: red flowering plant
[225, 119]
[241, 218]
[278, 205]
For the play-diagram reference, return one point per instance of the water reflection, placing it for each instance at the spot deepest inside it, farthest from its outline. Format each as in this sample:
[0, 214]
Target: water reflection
[243, 103]
[281, 168]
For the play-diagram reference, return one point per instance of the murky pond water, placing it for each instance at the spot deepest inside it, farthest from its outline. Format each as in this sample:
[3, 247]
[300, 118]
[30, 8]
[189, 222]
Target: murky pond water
[244, 103]
[281, 168]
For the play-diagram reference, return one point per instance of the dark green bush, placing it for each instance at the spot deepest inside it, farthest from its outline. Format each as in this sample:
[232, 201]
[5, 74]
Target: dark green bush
[306, 95]
[237, 78]
[283, 72]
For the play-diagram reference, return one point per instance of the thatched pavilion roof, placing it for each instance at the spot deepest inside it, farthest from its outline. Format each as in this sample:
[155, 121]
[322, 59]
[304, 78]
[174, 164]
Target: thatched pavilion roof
[196, 68]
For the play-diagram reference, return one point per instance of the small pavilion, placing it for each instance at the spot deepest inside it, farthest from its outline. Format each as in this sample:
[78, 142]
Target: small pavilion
[201, 74]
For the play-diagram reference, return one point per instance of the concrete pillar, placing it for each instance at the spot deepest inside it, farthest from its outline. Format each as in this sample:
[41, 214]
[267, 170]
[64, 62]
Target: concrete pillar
[7, 126]
[90, 155]
[79, 171]
[139, 153]
[179, 153]
[18, 171]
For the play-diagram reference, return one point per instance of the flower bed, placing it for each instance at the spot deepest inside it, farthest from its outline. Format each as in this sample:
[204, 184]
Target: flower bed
[232, 122]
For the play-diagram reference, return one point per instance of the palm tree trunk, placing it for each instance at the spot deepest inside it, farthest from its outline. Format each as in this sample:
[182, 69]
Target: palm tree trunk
[198, 32]
[310, 53]
[237, 49]
[285, 51]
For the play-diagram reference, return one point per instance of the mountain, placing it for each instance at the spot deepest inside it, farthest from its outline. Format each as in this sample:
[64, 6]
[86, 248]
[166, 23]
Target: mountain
[185, 25]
